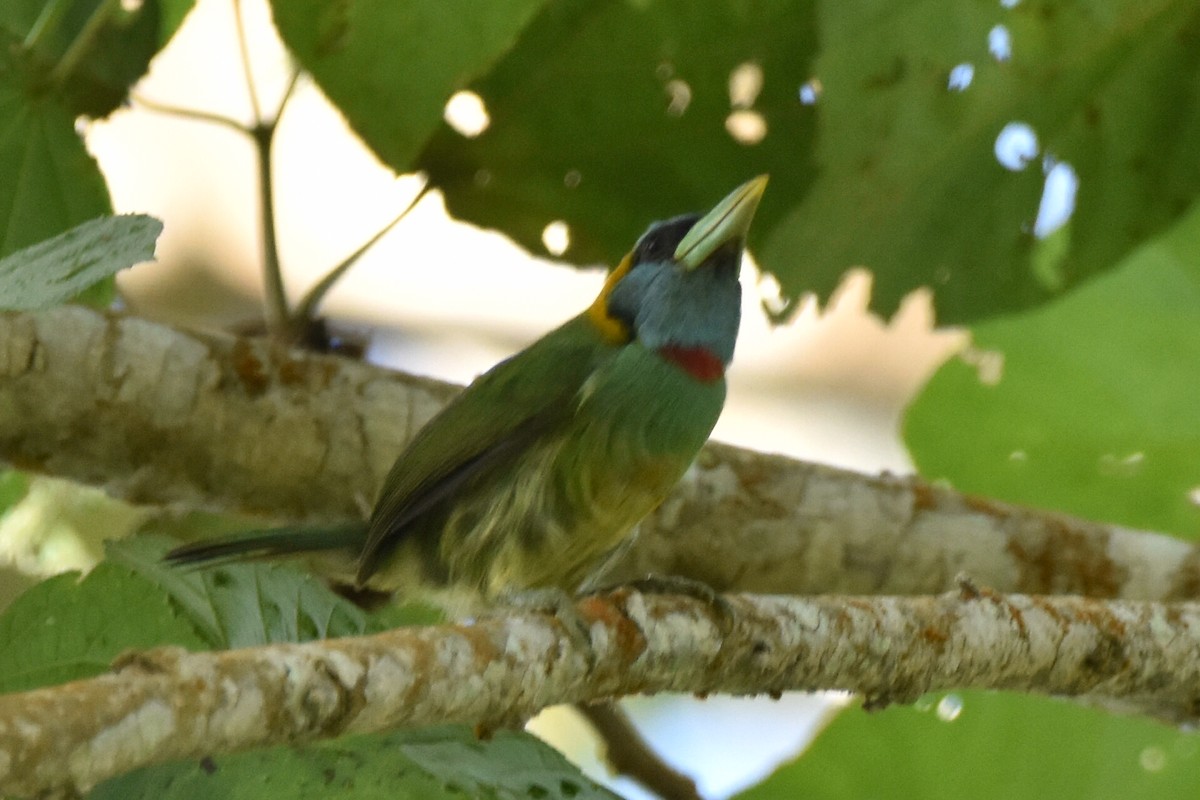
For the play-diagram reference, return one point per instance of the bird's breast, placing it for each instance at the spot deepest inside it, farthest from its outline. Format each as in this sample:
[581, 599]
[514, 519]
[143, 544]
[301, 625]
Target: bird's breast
[573, 496]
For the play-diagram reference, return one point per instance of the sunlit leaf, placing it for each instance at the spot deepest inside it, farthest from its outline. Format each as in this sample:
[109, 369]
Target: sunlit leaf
[1088, 404]
[242, 605]
[69, 627]
[54, 271]
[989, 746]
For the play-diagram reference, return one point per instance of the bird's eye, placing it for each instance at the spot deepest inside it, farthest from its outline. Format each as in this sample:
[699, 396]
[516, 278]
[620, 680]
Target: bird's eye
[658, 244]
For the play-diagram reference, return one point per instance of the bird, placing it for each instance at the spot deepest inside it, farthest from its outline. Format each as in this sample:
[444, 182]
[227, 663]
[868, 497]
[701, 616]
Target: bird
[545, 463]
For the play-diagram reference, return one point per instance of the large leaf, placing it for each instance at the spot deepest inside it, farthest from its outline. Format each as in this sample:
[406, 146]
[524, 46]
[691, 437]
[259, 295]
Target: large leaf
[54, 271]
[390, 67]
[910, 187]
[990, 746]
[444, 763]
[66, 628]
[905, 180]
[1088, 404]
[609, 115]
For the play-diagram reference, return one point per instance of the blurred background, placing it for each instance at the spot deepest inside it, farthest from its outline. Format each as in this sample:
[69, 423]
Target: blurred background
[442, 298]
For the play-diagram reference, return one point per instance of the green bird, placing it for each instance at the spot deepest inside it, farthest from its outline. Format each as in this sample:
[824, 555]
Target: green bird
[545, 463]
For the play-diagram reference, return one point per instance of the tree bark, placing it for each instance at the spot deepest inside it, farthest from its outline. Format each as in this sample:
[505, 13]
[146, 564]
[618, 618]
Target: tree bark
[169, 704]
[162, 416]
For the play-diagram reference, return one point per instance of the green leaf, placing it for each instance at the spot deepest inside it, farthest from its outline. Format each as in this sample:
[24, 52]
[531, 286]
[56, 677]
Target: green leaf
[241, 605]
[608, 116]
[54, 271]
[48, 181]
[171, 16]
[110, 48]
[1089, 404]
[13, 486]
[390, 67]
[435, 763]
[910, 186]
[409, 614]
[996, 746]
[888, 169]
[66, 628]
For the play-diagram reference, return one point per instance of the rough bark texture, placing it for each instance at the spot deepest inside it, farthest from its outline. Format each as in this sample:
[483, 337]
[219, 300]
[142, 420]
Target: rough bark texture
[161, 416]
[169, 704]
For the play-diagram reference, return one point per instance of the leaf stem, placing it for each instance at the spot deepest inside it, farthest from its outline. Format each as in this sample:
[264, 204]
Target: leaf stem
[244, 49]
[193, 114]
[307, 309]
[277, 312]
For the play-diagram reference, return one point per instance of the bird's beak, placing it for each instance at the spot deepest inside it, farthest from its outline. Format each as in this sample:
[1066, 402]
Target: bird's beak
[727, 222]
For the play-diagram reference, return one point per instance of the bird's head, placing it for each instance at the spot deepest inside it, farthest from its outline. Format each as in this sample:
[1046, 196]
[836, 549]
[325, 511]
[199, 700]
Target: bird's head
[677, 293]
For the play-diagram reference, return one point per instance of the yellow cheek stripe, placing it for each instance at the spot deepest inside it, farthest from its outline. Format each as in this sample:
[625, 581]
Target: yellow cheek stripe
[612, 330]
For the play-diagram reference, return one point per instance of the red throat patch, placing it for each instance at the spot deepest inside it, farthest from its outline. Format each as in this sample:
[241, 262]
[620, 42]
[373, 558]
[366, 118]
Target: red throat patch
[701, 364]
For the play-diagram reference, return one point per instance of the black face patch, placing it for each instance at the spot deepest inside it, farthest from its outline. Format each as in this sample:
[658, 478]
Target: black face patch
[659, 243]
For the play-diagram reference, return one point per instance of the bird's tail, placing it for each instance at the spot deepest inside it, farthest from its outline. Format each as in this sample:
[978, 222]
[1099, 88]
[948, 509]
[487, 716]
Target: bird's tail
[270, 543]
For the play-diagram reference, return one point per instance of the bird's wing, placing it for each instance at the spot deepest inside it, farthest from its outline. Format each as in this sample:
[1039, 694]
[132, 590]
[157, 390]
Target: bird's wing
[495, 419]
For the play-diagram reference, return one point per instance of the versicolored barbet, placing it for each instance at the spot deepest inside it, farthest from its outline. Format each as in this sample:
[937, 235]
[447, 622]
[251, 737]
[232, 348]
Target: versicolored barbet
[546, 462]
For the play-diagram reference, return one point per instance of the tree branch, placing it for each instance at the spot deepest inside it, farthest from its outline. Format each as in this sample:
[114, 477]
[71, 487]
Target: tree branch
[630, 755]
[169, 704]
[162, 416]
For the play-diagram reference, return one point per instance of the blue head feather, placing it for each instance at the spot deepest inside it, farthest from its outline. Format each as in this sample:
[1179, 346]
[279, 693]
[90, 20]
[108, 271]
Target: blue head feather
[665, 304]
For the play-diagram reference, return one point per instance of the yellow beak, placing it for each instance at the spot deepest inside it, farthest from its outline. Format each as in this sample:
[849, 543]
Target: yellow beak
[727, 222]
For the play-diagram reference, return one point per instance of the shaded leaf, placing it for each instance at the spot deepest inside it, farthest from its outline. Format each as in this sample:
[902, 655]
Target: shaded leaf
[1088, 404]
[904, 178]
[986, 745]
[610, 115]
[42, 32]
[391, 67]
[48, 181]
[910, 186]
[54, 271]
[444, 762]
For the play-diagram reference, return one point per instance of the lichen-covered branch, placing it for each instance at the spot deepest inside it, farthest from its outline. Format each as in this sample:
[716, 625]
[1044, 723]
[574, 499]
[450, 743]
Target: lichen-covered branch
[162, 416]
[169, 704]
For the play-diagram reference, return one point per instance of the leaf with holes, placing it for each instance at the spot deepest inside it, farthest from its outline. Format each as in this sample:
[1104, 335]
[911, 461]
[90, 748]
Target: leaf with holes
[1086, 405]
[390, 67]
[607, 116]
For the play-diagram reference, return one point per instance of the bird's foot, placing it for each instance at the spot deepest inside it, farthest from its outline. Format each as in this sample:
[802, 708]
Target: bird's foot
[677, 584]
[554, 601]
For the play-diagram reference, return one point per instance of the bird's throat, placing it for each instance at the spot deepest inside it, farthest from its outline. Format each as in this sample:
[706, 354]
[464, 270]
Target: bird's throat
[698, 362]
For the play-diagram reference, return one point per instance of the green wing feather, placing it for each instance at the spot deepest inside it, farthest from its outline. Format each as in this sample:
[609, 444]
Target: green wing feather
[495, 419]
